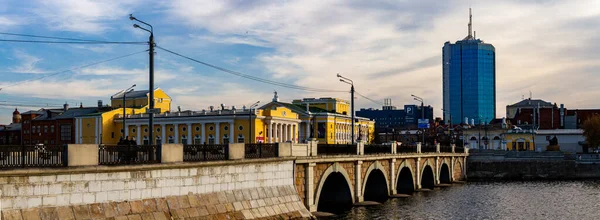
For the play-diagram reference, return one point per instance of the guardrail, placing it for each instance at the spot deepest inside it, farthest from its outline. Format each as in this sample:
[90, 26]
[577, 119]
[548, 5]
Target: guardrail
[406, 149]
[22, 156]
[205, 152]
[446, 149]
[128, 154]
[378, 149]
[428, 149]
[261, 150]
[337, 149]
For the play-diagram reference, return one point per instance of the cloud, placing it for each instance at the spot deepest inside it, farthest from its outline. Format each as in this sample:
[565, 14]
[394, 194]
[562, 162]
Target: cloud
[105, 71]
[28, 64]
[85, 16]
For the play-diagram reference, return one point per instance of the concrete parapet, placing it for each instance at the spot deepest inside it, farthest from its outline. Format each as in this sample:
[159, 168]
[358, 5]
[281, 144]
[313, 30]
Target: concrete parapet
[393, 146]
[284, 149]
[360, 148]
[300, 150]
[171, 153]
[453, 146]
[312, 146]
[237, 151]
[418, 147]
[437, 147]
[82, 155]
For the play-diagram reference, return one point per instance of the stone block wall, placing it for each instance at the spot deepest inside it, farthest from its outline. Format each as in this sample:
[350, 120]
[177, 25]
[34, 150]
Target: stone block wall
[277, 202]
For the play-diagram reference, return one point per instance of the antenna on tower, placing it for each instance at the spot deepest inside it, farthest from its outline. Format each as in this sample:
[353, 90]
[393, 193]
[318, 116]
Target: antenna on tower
[470, 23]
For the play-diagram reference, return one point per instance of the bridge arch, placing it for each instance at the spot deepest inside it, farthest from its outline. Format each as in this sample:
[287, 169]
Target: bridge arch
[445, 172]
[334, 190]
[405, 183]
[427, 176]
[376, 182]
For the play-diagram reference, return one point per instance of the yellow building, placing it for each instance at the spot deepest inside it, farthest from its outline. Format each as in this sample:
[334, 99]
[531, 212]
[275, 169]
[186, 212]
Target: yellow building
[520, 140]
[271, 123]
[333, 105]
[102, 127]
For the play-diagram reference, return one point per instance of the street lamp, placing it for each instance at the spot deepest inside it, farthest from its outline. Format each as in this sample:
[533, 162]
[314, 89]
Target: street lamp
[250, 121]
[125, 108]
[417, 98]
[151, 73]
[351, 83]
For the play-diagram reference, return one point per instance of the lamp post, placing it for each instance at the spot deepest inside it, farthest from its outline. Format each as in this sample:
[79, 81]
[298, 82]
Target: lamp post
[125, 109]
[151, 73]
[250, 121]
[450, 128]
[417, 98]
[351, 83]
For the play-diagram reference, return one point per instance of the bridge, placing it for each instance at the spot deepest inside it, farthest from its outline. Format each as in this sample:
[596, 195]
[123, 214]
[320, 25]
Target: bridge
[234, 181]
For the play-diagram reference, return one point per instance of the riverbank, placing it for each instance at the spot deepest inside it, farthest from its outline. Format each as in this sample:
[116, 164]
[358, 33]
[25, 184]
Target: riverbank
[530, 166]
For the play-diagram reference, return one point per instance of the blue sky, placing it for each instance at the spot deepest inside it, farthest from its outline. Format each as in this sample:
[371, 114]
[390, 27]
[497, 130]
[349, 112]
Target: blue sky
[391, 49]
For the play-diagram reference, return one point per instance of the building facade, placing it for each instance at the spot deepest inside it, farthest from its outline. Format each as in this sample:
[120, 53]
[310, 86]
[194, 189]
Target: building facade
[469, 80]
[11, 134]
[390, 118]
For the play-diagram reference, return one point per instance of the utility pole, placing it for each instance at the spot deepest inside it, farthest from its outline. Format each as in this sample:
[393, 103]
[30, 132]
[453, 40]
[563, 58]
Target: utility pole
[351, 83]
[151, 80]
[124, 109]
[417, 98]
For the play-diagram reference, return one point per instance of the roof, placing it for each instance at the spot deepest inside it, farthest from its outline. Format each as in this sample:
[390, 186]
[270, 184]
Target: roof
[11, 127]
[76, 112]
[560, 131]
[532, 103]
[35, 112]
[133, 94]
[49, 114]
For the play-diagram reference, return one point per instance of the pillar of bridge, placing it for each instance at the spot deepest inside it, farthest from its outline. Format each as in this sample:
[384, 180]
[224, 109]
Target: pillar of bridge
[309, 188]
[358, 182]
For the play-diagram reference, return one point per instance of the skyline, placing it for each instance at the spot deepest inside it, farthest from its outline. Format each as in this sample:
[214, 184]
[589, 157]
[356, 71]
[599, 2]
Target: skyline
[301, 43]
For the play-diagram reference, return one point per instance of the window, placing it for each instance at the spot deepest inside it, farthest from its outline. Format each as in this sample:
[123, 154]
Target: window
[241, 128]
[133, 130]
[184, 129]
[226, 128]
[65, 132]
[146, 142]
[184, 139]
[197, 140]
[211, 139]
[52, 129]
[112, 134]
[210, 128]
[225, 139]
[171, 140]
[38, 129]
[157, 129]
[171, 129]
[240, 138]
[197, 128]
[145, 130]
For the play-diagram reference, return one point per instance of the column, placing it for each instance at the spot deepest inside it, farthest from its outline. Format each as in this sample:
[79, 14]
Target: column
[418, 173]
[176, 133]
[307, 136]
[164, 133]
[270, 140]
[189, 135]
[452, 169]
[437, 170]
[392, 177]
[358, 181]
[295, 133]
[203, 134]
[125, 129]
[218, 135]
[139, 135]
[232, 139]
[283, 133]
[309, 189]
[276, 133]
[290, 136]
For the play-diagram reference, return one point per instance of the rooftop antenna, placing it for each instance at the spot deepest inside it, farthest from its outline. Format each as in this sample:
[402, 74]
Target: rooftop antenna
[530, 95]
[474, 34]
[470, 23]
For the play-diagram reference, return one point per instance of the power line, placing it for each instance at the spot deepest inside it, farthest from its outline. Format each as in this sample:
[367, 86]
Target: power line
[372, 100]
[258, 79]
[69, 70]
[47, 37]
[72, 42]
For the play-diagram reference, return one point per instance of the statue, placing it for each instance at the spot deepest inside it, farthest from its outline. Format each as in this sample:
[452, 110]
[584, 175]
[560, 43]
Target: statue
[553, 144]
[275, 97]
[553, 141]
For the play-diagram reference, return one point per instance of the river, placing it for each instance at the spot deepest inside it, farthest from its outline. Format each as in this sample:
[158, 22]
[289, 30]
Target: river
[492, 200]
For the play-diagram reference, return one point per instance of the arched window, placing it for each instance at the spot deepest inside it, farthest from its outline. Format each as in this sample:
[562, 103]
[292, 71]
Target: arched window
[197, 139]
[184, 139]
[171, 140]
[240, 139]
[158, 140]
[225, 139]
[211, 139]
[146, 142]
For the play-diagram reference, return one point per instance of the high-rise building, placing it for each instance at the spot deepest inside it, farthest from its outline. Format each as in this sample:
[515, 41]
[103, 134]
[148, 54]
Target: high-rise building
[469, 79]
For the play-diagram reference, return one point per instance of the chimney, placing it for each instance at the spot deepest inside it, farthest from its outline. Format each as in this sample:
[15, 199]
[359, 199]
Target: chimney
[65, 107]
[99, 103]
[81, 105]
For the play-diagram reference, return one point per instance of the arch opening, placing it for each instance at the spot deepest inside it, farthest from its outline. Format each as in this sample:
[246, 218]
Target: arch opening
[445, 174]
[376, 188]
[405, 184]
[335, 195]
[427, 178]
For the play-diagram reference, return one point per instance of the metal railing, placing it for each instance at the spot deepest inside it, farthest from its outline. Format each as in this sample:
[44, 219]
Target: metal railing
[205, 152]
[23, 156]
[428, 149]
[378, 149]
[406, 149]
[336, 149]
[446, 149]
[261, 150]
[128, 154]
[458, 149]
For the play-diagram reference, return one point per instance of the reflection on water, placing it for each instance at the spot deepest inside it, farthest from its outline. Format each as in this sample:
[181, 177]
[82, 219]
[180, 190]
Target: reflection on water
[492, 200]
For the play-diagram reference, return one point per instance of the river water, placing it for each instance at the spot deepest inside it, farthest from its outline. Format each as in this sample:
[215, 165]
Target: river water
[492, 200]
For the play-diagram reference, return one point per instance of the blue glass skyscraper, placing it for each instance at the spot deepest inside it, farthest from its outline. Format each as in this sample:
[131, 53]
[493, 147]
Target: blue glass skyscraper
[469, 80]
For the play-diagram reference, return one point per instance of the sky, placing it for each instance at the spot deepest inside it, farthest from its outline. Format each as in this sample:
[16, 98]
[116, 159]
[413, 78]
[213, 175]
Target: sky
[390, 49]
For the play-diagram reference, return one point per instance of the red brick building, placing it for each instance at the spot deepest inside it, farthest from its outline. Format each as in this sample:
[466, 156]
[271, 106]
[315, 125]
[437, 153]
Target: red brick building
[11, 134]
[544, 115]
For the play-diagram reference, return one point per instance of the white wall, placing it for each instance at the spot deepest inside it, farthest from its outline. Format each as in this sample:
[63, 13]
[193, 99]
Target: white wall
[567, 142]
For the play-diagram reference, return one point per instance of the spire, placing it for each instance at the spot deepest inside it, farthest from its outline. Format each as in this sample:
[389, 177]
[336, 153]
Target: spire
[470, 24]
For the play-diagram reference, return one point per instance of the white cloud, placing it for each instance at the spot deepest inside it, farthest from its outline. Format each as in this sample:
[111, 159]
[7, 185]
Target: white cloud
[84, 16]
[28, 64]
[314, 40]
[103, 71]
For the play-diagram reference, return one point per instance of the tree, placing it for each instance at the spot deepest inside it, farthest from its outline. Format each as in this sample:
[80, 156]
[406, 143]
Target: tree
[591, 131]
